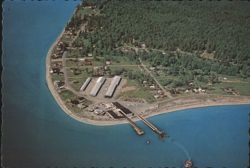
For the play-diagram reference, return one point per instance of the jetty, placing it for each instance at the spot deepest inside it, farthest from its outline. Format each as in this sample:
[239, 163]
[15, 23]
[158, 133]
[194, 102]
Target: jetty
[151, 126]
[138, 130]
[125, 111]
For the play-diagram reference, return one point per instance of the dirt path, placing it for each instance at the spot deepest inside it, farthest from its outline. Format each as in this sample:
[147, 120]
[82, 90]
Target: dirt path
[156, 81]
[234, 81]
[64, 58]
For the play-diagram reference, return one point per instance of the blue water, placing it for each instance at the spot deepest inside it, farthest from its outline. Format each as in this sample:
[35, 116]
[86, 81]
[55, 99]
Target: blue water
[37, 133]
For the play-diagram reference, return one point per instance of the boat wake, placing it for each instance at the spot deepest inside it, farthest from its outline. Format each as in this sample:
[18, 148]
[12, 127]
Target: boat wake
[181, 147]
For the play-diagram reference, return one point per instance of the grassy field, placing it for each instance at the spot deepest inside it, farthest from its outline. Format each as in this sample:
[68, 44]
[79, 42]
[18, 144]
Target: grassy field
[77, 85]
[242, 87]
[66, 94]
[74, 53]
[139, 93]
[125, 69]
[122, 60]
[72, 63]
[57, 77]
[76, 81]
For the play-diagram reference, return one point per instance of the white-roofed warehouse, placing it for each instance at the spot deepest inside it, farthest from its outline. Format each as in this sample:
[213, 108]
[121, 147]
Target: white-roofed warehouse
[112, 87]
[85, 84]
[100, 81]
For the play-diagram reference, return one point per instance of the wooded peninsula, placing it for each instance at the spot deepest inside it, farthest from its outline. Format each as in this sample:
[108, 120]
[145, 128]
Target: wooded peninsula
[150, 56]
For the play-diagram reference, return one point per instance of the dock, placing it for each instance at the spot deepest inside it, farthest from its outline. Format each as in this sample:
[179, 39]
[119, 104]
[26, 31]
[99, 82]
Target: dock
[151, 126]
[138, 130]
[125, 111]
[122, 108]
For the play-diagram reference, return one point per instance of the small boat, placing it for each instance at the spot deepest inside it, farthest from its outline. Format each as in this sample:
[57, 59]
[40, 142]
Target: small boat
[148, 141]
[188, 164]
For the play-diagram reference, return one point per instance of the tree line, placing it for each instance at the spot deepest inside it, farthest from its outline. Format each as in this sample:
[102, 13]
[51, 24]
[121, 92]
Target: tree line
[221, 28]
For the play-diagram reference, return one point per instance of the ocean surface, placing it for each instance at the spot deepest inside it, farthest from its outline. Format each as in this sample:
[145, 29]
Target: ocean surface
[37, 133]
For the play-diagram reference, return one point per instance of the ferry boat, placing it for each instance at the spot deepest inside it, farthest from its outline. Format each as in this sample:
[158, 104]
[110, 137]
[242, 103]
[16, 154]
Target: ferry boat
[188, 164]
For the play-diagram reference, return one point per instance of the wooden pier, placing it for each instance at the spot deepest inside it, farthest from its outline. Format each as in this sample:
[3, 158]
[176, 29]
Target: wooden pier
[150, 125]
[138, 130]
[124, 111]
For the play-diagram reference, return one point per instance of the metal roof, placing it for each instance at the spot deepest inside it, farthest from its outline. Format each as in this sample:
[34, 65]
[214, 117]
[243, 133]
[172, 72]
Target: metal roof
[100, 81]
[114, 83]
[85, 84]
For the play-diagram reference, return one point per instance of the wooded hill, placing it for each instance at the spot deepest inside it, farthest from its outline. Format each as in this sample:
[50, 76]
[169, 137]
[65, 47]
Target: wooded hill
[221, 28]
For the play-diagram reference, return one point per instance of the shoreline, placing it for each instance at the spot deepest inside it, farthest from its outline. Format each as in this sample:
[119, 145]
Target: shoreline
[237, 100]
[221, 100]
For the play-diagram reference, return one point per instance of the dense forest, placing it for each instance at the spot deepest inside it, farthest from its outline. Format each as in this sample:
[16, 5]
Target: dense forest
[220, 28]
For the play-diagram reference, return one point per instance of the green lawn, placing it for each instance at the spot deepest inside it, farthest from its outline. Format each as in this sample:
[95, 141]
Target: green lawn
[78, 85]
[71, 63]
[139, 93]
[128, 68]
[57, 77]
[234, 78]
[242, 88]
[66, 94]
[122, 60]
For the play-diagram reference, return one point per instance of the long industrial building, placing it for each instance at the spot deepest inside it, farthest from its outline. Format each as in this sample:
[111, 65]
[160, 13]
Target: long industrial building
[113, 85]
[85, 84]
[100, 81]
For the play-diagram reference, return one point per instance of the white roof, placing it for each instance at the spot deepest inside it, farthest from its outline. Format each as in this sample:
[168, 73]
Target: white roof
[114, 83]
[97, 86]
[85, 84]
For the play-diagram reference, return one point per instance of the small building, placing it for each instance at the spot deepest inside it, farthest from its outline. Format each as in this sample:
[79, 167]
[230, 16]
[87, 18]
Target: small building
[108, 62]
[152, 68]
[55, 70]
[88, 61]
[156, 96]
[74, 102]
[81, 105]
[195, 90]
[85, 84]
[99, 112]
[112, 87]
[152, 87]
[59, 84]
[143, 45]
[100, 81]
[98, 71]
[160, 92]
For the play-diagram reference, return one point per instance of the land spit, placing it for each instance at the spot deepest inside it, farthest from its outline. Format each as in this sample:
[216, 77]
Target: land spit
[146, 110]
